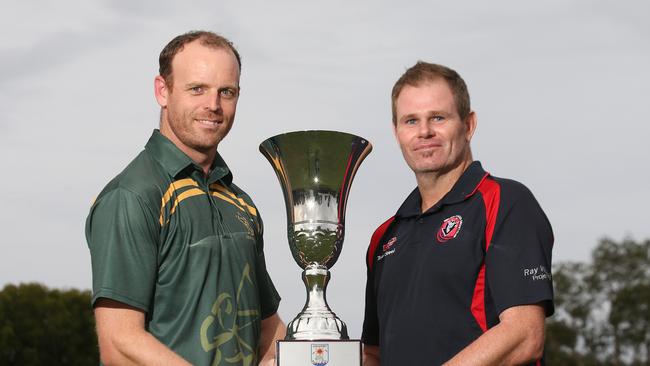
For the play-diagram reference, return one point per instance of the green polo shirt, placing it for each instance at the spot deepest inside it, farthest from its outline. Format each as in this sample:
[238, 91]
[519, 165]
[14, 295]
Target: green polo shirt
[186, 249]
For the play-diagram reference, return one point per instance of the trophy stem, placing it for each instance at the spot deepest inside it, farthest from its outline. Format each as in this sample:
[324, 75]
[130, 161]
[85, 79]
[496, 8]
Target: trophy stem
[316, 320]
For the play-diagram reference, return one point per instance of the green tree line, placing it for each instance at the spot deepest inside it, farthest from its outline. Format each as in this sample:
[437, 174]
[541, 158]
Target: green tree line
[602, 307]
[602, 315]
[41, 326]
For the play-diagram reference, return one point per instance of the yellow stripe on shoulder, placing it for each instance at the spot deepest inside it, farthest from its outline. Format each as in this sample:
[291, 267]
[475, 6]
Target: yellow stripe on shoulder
[177, 185]
[181, 183]
[224, 198]
[239, 202]
[187, 194]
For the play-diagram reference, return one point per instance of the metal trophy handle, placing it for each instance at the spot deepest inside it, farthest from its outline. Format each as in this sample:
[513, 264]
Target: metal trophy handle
[315, 170]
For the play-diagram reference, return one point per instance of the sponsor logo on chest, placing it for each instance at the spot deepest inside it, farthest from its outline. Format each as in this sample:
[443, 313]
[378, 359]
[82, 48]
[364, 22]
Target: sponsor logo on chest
[387, 248]
[450, 228]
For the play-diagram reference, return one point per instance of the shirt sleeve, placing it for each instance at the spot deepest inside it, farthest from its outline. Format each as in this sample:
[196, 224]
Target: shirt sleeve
[269, 297]
[518, 261]
[122, 237]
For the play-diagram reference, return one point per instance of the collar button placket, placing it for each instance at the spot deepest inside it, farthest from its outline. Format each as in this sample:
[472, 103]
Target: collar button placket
[216, 212]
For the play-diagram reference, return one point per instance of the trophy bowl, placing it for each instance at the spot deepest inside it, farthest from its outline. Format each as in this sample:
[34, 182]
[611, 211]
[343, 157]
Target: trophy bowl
[315, 170]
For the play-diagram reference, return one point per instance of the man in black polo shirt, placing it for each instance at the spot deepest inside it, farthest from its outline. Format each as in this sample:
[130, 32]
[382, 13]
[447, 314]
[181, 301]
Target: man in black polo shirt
[179, 275]
[461, 274]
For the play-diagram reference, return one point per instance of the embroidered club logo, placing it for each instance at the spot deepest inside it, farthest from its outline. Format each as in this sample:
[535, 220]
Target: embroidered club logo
[449, 228]
[247, 225]
[320, 354]
[389, 243]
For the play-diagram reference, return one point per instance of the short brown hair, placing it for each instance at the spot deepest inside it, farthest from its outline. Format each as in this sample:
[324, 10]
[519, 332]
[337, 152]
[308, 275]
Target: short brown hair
[176, 45]
[423, 72]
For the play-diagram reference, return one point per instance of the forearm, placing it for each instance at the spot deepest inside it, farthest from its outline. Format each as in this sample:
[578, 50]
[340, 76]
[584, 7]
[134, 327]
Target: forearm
[497, 346]
[273, 329]
[371, 355]
[516, 340]
[140, 348]
[123, 339]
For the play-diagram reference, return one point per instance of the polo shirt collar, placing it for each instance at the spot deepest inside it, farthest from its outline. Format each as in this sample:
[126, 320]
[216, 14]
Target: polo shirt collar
[219, 171]
[463, 189]
[174, 161]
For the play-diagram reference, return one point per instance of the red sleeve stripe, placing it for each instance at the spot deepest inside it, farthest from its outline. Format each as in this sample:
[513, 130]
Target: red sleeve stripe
[491, 193]
[376, 237]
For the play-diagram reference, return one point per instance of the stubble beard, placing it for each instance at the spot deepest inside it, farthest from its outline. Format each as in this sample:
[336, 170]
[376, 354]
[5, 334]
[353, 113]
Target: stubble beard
[422, 163]
[182, 125]
[427, 164]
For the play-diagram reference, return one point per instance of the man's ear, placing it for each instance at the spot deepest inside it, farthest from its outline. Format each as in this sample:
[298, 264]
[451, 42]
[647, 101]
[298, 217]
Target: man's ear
[471, 121]
[395, 131]
[161, 90]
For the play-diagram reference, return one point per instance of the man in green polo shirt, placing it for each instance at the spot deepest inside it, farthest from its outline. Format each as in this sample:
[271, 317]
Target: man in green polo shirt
[179, 275]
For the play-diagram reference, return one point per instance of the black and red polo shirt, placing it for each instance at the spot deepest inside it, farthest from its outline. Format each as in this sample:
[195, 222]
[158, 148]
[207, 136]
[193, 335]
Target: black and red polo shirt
[437, 280]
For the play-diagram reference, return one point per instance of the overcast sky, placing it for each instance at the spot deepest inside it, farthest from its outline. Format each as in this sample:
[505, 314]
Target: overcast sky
[561, 91]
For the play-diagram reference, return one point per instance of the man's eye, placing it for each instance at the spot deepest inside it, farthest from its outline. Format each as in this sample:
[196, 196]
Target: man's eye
[411, 121]
[196, 90]
[438, 118]
[228, 93]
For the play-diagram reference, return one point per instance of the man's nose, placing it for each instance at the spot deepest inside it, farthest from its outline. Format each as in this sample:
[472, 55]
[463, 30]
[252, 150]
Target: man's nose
[213, 101]
[426, 129]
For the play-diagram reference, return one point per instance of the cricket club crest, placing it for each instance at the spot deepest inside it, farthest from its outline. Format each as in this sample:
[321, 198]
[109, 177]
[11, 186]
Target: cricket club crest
[320, 354]
[449, 228]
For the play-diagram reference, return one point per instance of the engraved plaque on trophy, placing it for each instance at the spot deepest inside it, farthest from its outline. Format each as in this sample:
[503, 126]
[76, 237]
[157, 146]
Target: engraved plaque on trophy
[315, 170]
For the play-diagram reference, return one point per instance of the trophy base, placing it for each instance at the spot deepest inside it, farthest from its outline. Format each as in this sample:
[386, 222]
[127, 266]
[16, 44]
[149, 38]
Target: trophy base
[316, 320]
[318, 352]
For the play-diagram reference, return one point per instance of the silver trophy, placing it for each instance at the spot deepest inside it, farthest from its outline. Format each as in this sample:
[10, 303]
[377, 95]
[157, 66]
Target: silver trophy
[315, 169]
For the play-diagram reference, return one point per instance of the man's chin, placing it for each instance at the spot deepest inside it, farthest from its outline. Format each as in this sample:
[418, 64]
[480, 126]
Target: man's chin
[437, 169]
[207, 143]
[205, 146]
[425, 168]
